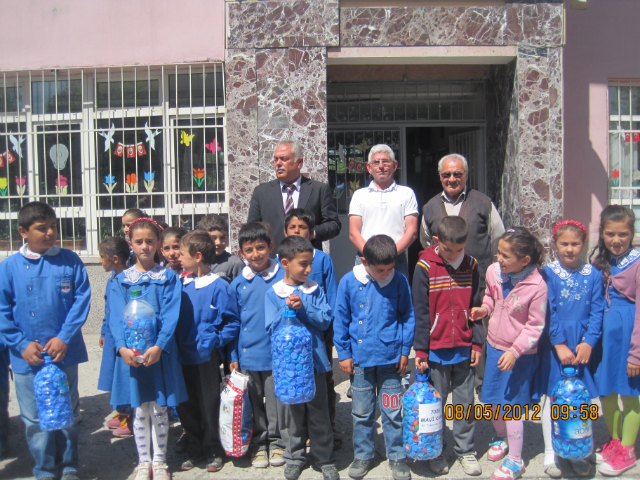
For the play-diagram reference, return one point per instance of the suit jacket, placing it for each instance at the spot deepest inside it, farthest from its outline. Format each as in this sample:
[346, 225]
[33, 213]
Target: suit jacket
[267, 206]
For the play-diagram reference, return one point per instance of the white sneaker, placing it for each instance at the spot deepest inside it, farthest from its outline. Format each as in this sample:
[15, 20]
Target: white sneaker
[470, 465]
[143, 471]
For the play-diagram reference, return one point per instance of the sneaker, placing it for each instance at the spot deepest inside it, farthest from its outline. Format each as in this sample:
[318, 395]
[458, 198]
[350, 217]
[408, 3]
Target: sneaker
[400, 469]
[509, 470]
[161, 471]
[143, 471]
[69, 476]
[181, 444]
[349, 393]
[124, 430]
[276, 457]
[580, 467]
[190, 463]
[606, 451]
[114, 422]
[499, 448]
[360, 468]
[623, 459]
[553, 471]
[329, 472]
[470, 465]
[292, 472]
[438, 465]
[214, 464]
[260, 459]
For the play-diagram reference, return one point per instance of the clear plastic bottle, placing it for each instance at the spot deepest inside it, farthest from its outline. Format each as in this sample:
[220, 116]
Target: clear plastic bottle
[572, 437]
[52, 397]
[422, 419]
[292, 353]
[139, 319]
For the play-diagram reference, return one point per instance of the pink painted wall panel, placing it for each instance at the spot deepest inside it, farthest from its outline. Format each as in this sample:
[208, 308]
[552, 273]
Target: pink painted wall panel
[69, 33]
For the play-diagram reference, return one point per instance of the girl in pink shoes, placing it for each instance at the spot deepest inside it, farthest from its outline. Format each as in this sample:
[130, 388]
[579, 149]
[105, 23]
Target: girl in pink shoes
[619, 354]
[516, 297]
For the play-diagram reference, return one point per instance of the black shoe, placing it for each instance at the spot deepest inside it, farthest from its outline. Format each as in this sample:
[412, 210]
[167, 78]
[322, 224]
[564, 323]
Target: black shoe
[181, 444]
[214, 463]
[400, 470]
[349, 393]
[190, 463]
[329, 472]
[292, 472]
[360, 468]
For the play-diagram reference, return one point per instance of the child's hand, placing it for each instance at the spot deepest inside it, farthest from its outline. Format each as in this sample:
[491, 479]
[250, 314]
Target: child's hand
[234, 366]
[478, 313]
[506, 361]
[129, 357]
[565, 355]
[294, 302]
[101, 342]
[402, 365]
[475, 358]
[633, 370]
[347, 366]
[151, 356]
[422, 363]
[583, 353]
[32, 354]
[56, 349]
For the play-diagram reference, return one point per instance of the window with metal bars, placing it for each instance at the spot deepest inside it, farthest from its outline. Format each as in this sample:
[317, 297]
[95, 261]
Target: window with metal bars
[95, 142]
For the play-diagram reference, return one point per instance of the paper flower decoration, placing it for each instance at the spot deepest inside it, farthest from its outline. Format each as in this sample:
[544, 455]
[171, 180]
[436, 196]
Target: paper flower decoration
[61, 185]
[131, 183]
[198, 176]
[149, 181]
[110, 183]
[615, 177]
[3, 187]
[21, 184]
[214, 146]
[185, 138]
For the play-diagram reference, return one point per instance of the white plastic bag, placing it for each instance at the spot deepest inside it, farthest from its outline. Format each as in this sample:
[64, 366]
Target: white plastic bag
[236, 416]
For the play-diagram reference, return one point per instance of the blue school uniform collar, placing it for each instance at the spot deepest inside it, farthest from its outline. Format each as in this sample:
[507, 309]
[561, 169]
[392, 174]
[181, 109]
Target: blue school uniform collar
[283, 290]
[514, 278]
[200, 282]
[156, 273]
[268, 273]
[26, 253]
[623, 261]
[564, 273]
[361, 274]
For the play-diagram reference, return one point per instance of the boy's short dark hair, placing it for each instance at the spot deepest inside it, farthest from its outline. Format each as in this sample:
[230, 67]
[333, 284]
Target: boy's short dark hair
[453, 229]
[251, 232]
[34, 211]
[199, 241]
[380, 250]
[292, 246]
[169, 232]
[212, 222]
[301, 214]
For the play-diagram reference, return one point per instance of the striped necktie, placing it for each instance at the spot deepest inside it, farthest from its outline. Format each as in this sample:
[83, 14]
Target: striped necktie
[289, 189]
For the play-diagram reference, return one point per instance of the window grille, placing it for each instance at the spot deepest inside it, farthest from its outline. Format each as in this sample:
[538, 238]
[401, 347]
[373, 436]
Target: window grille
[95, 142]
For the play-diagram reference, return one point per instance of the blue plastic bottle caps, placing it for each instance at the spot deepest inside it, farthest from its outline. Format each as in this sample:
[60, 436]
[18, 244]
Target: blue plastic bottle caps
[422, 419]
[292, 353]
[571, 438]
[139, 320]
[52, 397]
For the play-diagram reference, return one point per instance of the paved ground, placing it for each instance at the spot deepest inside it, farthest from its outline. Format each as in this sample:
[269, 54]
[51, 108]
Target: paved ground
[102, 456]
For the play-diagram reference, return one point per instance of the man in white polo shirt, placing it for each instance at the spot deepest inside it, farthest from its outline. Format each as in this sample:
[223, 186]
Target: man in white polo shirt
[384, 207]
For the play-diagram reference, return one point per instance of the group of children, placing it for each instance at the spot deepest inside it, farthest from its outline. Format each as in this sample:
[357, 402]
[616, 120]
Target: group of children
[213, 308]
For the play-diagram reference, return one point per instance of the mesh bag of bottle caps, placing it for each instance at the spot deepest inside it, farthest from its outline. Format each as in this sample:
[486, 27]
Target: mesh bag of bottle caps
[139, 319]
[236, 415]
[292, 353]
[422, 419]
[571, 438]
[52, 397]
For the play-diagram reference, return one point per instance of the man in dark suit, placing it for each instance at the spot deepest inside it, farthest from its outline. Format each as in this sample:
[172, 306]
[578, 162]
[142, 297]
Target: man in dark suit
[271, 200]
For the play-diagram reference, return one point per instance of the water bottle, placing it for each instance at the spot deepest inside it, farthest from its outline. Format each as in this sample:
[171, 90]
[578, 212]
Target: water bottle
[422, 419]
[292, 353]
[572, 438]
[52, 397]
[139, 319]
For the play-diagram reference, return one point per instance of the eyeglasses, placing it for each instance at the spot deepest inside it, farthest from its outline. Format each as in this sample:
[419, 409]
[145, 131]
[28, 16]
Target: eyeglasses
[445, 175]
[377, 163]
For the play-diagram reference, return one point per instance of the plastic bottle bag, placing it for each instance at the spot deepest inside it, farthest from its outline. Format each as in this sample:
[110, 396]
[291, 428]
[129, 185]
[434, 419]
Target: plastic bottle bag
[571, 438]
[52, 397]
[422, 419]
[236, 415]
[139, 319]
[292, 353]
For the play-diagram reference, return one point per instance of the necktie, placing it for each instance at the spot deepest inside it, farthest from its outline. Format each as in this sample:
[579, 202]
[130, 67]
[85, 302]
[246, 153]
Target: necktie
[288, 205]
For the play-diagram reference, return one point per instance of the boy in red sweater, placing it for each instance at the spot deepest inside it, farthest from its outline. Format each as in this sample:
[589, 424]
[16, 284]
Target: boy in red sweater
[445, 288]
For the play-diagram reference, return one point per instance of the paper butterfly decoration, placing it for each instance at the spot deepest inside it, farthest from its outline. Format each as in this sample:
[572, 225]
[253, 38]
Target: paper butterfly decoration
[108, 137]
[185, 138]
[214, 146]
[16, 143]
[151, 140]
[59, 155]
[363, 146]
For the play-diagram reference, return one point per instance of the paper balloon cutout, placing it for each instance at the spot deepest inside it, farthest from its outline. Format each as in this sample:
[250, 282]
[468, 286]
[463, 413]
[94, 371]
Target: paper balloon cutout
[185, 138]
[214, 146]
[59, 154]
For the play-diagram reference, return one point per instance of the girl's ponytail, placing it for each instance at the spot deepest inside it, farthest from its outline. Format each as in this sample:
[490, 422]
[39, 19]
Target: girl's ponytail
[524, 244]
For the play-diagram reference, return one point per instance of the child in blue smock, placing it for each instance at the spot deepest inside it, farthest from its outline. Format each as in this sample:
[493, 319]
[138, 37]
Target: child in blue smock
[310, 420]
[157, 382]
[208, 321]
[573, 327]
[44, 301]
[251, 351]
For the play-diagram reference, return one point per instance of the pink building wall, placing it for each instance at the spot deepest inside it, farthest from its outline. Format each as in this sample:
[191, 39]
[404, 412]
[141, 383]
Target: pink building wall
[601, 43]
[71, 33]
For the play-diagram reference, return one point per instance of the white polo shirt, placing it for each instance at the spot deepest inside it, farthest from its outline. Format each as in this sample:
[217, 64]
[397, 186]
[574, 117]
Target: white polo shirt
[383, 211]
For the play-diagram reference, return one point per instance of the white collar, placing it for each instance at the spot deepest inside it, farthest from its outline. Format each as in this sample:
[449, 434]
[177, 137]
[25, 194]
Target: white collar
[374, 188]
[461, 198]
[268, 273]
[516, 277]
[133, 275]
[200, 282]
[623, 261]
[456, 263]
[361, 274]
[26, 253]
[283, 290]
[297, 183]
[563, 272]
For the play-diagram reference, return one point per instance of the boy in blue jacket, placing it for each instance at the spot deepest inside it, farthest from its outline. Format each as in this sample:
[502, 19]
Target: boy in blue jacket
[251, 351]
[302, 421]
[373, 333]
[44, 301]
[208, 321]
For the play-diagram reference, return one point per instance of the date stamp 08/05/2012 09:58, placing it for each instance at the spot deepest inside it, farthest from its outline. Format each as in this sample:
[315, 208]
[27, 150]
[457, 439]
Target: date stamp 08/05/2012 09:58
[489, 411]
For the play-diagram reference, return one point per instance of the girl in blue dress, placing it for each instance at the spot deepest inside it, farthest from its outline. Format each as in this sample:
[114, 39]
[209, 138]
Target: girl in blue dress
[618, 370]
[573, 327]
[157, 382]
